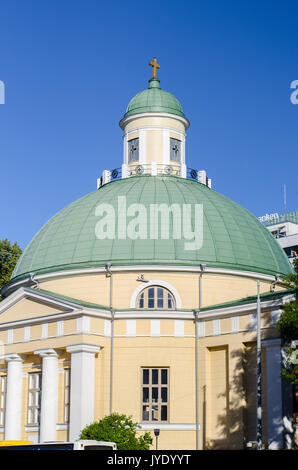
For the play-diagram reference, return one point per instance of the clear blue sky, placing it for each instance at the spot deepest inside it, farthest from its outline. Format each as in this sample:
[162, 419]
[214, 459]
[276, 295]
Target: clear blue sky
[70, 68]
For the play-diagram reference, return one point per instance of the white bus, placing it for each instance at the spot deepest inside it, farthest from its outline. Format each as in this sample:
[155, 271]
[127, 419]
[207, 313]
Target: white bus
[77, 445]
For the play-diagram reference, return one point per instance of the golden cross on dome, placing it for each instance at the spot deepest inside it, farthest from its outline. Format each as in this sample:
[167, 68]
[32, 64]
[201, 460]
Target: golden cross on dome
[154, 66]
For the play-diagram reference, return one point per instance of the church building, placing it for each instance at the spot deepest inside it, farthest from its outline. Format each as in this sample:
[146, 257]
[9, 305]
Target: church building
[151, 296]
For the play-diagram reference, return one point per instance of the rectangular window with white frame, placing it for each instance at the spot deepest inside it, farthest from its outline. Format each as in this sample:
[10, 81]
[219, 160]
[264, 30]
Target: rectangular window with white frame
[175, 150]
[133, 150]
[34, 398]
[2, 399]
[155, 394]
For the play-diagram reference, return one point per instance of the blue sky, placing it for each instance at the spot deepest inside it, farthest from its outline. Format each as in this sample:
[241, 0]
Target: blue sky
[70, 67]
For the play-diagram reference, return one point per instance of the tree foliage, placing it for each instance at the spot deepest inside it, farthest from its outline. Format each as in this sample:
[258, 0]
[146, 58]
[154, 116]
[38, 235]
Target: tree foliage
[9, 255]
[120, 429]
[287, 326]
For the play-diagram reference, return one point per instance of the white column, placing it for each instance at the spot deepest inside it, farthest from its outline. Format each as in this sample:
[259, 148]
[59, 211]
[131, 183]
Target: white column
[274, 393]
[82, 384]
[13, 410]
[49, 394]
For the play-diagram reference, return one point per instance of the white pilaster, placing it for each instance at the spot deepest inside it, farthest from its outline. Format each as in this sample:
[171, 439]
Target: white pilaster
[83, 325]
[275, 314]
[106, 177]
[131, 327]
[27, 333]
[44, 330]
[125, 170]
[235, 324]
[155, 327]
[125, 150]
[183, 150]
[202, 177]
[179, 328]
[10, 336]
[216, 327]
[183, 170]
[274, 393]
[49, 394]
[81, 387]
[201, 329]
[142, 146]
[154, 169]
[13, 410]
[166, 147]
[107, 328]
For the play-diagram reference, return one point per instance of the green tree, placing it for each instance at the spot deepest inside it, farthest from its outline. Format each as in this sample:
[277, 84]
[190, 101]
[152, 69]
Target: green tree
[9, 255]
[120, 429]
[287, 326]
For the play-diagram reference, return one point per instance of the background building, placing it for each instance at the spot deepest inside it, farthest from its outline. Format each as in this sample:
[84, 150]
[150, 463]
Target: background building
[109, 311]
[285, 229]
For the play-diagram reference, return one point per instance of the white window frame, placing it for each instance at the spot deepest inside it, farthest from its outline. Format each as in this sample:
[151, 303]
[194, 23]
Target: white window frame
[166, 297]
[136, 160]
[150, 404]
[155, 282]
[180, 150]
[34, 398]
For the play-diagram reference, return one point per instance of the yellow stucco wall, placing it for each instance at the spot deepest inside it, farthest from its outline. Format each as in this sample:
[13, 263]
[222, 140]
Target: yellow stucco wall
[155, 121]
[154, 141]
[152, 129]
[217, 288]
[28, 309]
[226, 360]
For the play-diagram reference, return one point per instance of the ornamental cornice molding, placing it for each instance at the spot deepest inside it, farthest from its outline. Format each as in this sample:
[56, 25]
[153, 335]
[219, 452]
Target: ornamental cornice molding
[154, 128]
[126, 120]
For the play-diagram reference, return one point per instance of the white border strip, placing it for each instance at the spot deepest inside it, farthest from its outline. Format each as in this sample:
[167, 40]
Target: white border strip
[156, 128]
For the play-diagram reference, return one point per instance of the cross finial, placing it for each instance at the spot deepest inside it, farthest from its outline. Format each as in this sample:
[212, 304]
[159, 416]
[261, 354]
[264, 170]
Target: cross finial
[154, 66]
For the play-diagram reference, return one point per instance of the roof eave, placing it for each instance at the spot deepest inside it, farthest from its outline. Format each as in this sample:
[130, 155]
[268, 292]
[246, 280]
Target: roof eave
[127, 119]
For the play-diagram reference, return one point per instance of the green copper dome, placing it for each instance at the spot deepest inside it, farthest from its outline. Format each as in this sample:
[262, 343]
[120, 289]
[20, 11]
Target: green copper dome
[232, 237]
[154, 99]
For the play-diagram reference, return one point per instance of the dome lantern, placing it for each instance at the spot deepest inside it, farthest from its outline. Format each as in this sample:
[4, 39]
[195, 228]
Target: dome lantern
[154, 137]
[154, 128]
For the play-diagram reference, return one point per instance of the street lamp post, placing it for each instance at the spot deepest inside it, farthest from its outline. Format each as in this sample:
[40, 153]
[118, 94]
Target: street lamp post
[109, 274]
[196, 312]
[156, 433]
[259, 372]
